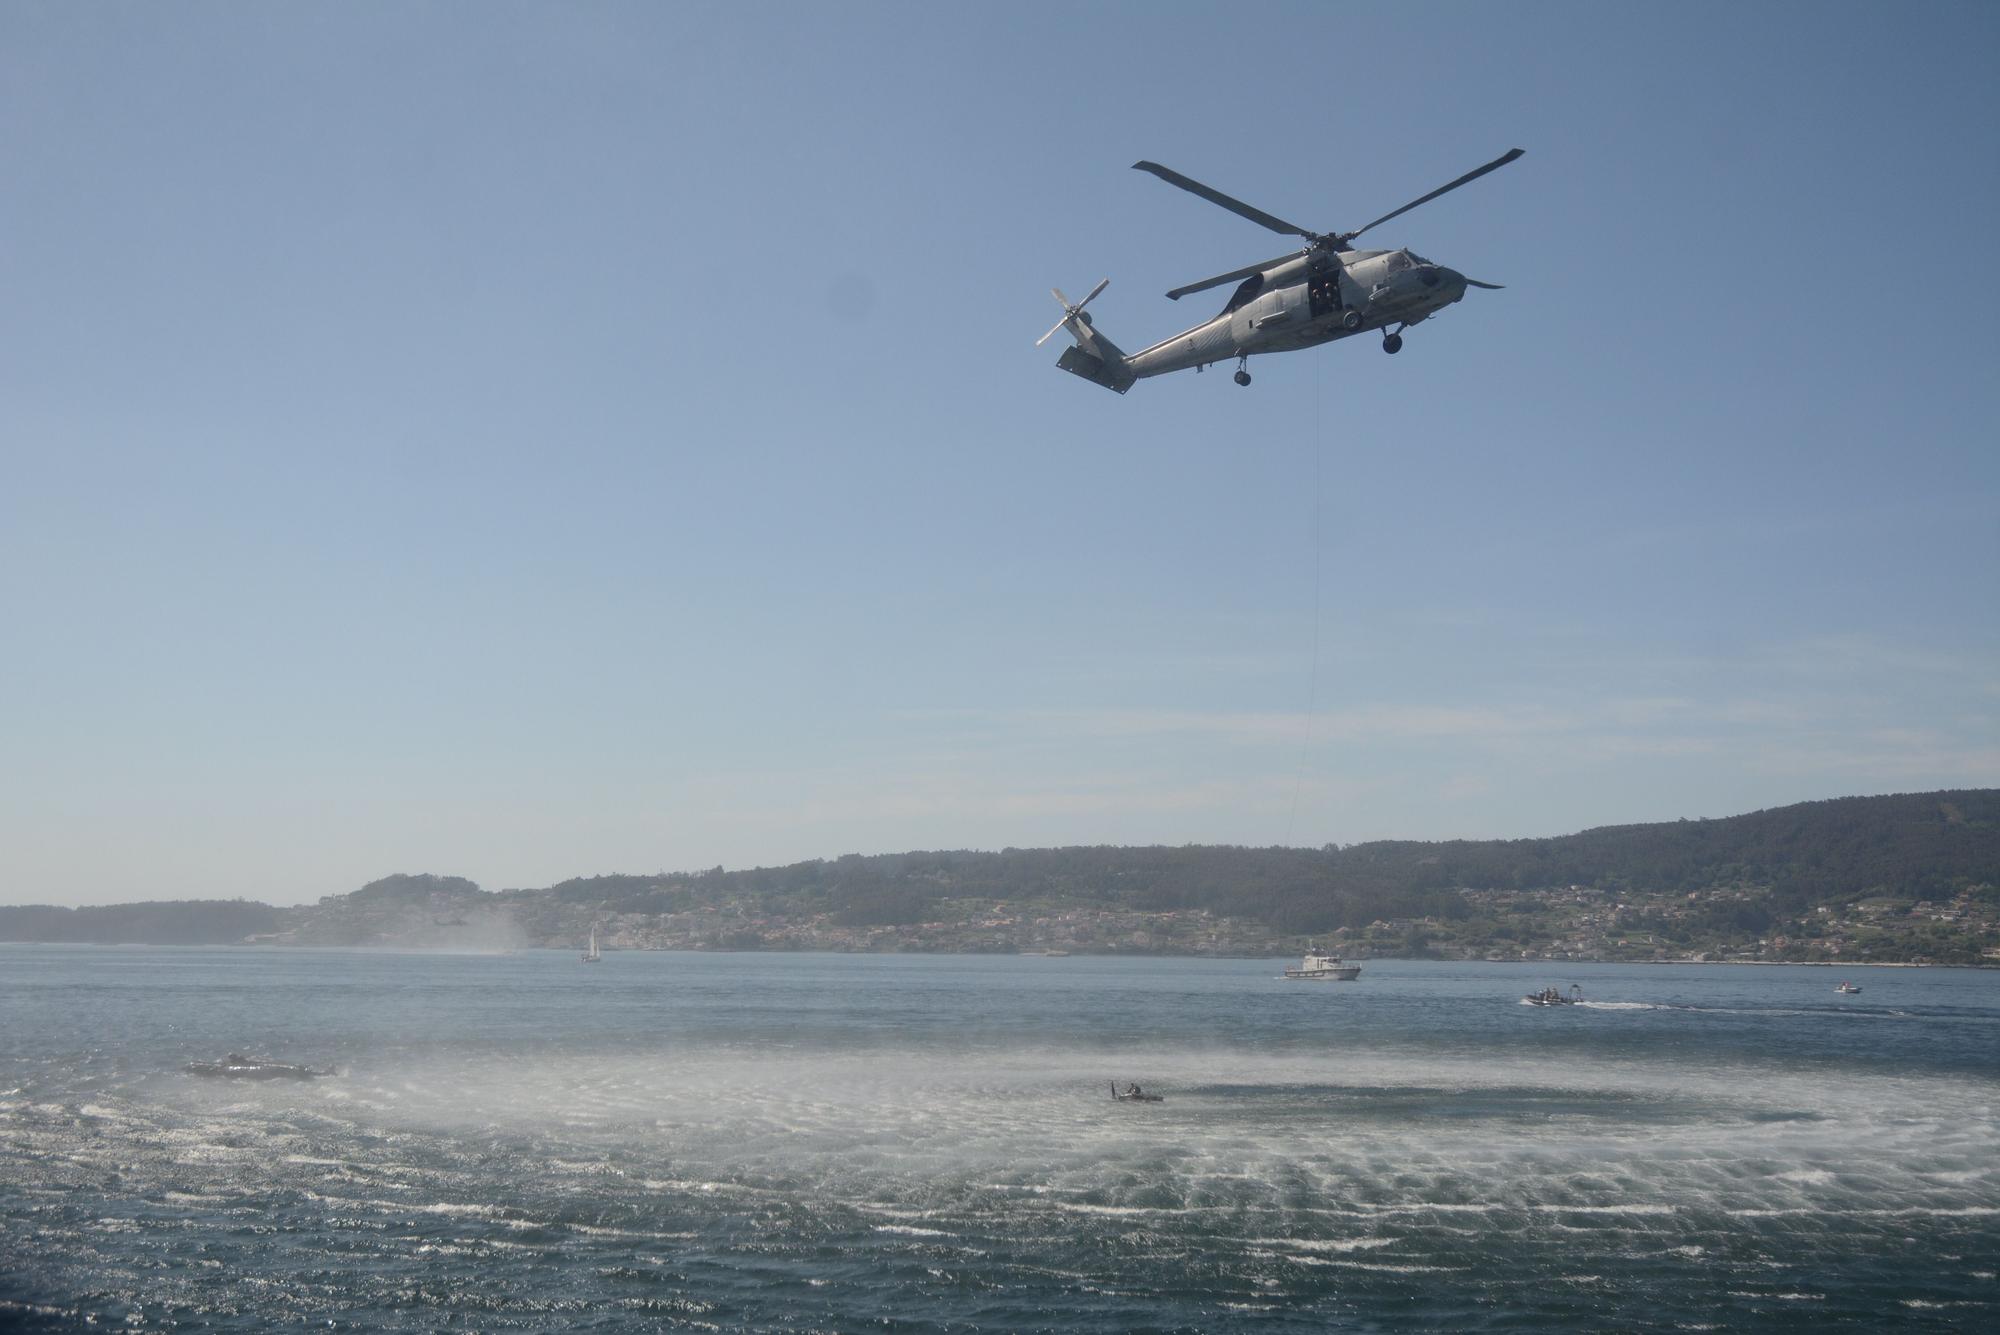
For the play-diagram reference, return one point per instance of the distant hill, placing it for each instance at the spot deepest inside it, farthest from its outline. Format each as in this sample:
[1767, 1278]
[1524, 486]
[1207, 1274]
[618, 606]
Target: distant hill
[1917, 846]
[1914, 846]
[1913, 875]
[179, 922]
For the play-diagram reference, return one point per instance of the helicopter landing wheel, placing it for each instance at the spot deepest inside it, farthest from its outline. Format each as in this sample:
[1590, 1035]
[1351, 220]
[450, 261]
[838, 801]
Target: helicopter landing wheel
[1351, 321]
[1392, 343]
[1242, 377]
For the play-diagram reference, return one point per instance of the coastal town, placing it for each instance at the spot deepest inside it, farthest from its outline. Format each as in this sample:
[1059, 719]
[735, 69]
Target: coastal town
[1568, 923]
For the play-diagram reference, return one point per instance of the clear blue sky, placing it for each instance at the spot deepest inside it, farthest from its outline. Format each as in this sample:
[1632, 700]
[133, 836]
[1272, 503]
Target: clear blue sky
[542, 440]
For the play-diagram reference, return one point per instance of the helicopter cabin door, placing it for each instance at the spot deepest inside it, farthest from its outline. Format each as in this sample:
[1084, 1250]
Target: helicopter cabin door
[1323, 295]
[1279, 311]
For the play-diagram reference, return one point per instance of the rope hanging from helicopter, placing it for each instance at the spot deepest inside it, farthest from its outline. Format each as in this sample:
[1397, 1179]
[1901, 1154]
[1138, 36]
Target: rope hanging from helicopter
[1318, 565]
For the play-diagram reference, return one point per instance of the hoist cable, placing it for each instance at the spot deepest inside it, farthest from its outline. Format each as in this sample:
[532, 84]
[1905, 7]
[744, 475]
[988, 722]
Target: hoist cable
[1312, 673]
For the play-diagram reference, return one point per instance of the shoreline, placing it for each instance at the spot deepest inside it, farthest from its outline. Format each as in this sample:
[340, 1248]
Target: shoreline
[1543, 964]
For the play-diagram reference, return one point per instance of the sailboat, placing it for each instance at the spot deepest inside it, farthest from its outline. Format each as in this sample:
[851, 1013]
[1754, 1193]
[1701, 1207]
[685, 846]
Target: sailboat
[591, 956]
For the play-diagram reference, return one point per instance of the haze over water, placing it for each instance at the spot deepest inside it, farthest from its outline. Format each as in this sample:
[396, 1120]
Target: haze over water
[805, 1142]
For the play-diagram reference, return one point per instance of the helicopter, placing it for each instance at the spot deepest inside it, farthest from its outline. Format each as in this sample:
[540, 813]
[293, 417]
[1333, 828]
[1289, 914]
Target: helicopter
[1325, 291]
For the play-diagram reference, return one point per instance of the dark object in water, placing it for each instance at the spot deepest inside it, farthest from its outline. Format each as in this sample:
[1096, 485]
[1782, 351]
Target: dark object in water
[1549, 996]
[236, 1066]
[1133, 1094]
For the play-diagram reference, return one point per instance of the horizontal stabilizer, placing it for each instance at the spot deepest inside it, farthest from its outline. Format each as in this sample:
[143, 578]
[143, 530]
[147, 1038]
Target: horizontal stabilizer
[1111, 375]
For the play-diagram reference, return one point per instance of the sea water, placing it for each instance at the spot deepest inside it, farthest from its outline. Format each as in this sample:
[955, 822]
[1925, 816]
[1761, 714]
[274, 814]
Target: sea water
[752, 1142]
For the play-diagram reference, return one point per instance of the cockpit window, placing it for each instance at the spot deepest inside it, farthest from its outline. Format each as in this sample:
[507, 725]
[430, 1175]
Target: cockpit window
[1399, 260]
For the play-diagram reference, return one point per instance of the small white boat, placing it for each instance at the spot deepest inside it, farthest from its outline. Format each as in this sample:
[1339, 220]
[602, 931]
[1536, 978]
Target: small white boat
[1848, 988]
[1324, 968]
[591, 956]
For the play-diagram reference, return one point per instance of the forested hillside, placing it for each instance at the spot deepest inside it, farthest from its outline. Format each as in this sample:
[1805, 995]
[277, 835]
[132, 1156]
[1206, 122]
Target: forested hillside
[1912, 876]
[183, 922]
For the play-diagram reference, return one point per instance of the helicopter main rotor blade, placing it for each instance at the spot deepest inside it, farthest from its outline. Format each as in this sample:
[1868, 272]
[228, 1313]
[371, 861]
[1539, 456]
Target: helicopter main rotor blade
[1474, 175]
[1230, 277]
[1235, 206]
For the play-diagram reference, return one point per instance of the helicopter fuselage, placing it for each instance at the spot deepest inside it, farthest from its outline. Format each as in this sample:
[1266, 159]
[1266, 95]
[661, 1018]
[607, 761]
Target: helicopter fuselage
[1306, 301]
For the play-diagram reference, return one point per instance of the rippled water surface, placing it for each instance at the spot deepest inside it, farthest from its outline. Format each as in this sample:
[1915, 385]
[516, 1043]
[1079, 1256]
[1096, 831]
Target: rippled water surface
[805, 1142]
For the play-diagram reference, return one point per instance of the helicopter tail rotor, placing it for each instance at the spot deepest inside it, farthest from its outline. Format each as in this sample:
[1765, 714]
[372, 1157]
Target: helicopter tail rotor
[1072, 311]
[1093, 356]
